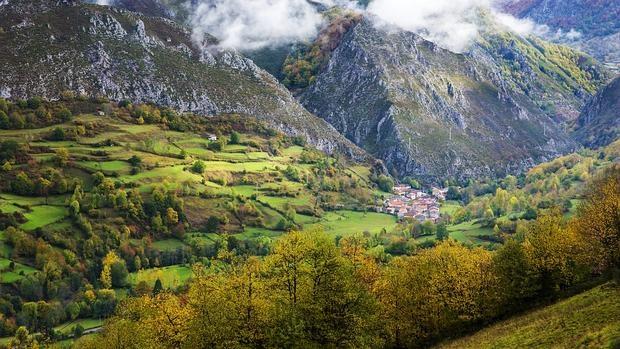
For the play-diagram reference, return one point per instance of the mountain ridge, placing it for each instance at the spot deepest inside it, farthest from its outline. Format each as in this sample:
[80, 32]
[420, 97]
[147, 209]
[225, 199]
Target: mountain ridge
[101, 46]
[400, 97]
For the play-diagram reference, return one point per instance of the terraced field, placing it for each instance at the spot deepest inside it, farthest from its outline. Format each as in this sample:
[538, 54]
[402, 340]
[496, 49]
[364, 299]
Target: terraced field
[260, 173]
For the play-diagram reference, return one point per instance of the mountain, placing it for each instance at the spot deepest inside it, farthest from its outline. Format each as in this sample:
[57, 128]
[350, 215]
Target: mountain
[431, 113]
[595, 22]
[104, 51]
[177, 10]
[599, 123]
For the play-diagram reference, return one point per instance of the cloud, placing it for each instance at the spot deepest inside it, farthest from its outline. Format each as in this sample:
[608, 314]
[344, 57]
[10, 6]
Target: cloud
[248, 25]
[253, 24]
[449, 23]
[452, 24]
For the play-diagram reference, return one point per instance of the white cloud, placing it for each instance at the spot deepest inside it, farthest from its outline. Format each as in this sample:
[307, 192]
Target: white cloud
[252, 24]
[452, 24]
[449, 23]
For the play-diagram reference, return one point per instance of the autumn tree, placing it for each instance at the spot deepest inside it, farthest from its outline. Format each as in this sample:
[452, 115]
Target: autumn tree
[598, 219]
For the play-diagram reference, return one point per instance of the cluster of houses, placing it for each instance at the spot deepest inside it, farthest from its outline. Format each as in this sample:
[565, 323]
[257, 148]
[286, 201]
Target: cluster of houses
[408, 202]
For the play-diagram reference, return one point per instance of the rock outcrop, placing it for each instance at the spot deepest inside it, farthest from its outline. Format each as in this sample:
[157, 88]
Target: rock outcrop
[599, 123]
[433, 114]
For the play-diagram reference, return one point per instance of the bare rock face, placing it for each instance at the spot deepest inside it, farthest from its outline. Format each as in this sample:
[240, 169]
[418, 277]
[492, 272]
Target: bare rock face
[599, 123]
[434, 114]
[55, 45]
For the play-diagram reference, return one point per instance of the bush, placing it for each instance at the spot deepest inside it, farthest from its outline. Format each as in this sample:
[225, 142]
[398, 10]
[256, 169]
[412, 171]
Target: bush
[64, 114]
[34, 102]
[58, 134]
[235, 138]
[198, 167]
[5, 123]
[385, 183]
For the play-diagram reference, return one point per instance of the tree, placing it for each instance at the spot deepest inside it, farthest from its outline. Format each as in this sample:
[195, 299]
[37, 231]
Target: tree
[442, 232]
[158, 287]
[118, 273]
[17, 120]
[7, 167]
[517, 279]
[157, 224]
[235, 137]
[22, 184]
[114, 272]
[58, 134]
[172, 217]
[556, 254]
[453, 193]
[23, 340]
[212, 225]
[64, 114]
[437, 291]
[5, 123]
[43, 185]
[62, 156]
[135, 161]
[34, 102]
[598, 219]
[78, 330]
[385, 183]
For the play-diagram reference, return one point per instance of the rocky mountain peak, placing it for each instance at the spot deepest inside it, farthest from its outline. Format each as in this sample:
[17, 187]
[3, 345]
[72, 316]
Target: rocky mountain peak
[435, 114]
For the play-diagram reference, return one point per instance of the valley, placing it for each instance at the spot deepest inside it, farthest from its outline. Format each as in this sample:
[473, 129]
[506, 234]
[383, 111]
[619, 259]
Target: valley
[308, 174]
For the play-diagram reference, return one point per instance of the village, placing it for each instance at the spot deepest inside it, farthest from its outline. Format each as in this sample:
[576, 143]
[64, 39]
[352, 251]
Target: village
[411, 203]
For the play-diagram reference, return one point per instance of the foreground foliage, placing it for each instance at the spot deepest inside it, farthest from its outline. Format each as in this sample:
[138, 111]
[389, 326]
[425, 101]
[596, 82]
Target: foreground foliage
[309, 292]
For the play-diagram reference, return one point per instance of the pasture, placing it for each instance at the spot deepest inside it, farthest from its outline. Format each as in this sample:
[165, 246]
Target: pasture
[171, 277]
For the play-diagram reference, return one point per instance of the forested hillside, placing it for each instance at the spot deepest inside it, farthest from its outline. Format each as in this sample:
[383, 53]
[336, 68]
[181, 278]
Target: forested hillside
[107, 204]
[100, 199]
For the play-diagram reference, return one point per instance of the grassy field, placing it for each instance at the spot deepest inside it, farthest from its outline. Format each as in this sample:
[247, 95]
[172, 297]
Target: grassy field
[107, 166]
[9, 277]
[171, 277]
[40, 216]
[449, 207]
[168, 245]
[588, 320]
[469, 232]
[67, 328]
[350, 222]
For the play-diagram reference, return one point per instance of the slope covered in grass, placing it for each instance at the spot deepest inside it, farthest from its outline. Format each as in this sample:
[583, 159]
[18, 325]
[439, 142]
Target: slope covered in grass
[588, 320]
